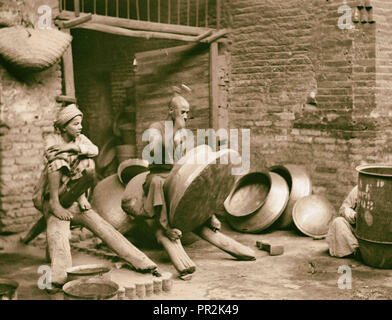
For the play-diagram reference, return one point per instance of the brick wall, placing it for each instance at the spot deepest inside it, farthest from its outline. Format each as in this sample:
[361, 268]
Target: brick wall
[284, 50]
[28, 107]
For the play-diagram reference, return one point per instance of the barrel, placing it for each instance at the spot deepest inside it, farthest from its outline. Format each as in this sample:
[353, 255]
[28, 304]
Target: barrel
[90, 289]
[374, 215]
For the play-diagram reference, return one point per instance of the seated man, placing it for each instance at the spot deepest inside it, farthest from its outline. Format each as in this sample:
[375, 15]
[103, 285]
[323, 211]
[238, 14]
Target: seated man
[341, 239]
[69, 161]
[167, 137]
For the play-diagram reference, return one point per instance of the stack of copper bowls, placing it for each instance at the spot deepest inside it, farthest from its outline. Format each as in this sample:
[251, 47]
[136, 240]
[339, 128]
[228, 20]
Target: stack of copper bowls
[278, 198]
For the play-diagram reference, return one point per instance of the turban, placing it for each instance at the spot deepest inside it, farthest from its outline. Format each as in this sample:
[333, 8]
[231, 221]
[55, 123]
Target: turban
[66, 114]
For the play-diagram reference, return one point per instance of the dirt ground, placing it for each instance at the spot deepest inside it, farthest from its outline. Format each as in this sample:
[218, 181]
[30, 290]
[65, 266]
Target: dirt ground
[305, 271]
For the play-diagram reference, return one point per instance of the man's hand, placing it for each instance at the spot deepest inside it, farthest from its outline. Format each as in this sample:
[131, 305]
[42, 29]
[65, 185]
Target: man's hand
[350, 215]
[173, 234]
[214, 223]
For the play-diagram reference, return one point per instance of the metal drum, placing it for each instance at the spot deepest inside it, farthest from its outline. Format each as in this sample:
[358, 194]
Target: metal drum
[300, 186]
[374, 215]
[267, 208]
[312, 215]
[194, 189]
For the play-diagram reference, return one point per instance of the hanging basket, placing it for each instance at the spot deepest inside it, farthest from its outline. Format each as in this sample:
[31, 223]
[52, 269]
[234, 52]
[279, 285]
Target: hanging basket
[32, 49]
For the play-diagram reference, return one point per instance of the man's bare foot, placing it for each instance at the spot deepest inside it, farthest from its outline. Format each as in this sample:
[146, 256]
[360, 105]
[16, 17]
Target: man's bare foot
[173, 234]
[60, 212]
[84, 205]
[214, 223]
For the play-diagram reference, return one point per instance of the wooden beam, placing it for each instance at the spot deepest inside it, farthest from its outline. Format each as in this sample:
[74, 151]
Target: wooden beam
[132, 33]
[63, 98]
[75, 22]
[203, 35]
[215, 36]
[214, 86]
[68, 70]
[141, 25]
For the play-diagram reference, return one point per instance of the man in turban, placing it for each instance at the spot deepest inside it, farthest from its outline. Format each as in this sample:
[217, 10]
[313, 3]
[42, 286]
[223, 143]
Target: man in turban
[68, 155]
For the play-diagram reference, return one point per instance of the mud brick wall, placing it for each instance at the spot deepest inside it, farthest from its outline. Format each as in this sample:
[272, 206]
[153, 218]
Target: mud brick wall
[284, 50]
[28, 108]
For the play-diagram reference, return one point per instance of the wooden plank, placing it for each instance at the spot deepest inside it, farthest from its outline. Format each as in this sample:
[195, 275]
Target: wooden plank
[75, 22]
[148, 10]
[68, 71]
[63, 98]
[214, 86]
[215, 36]
[141, 25]
[147, 54]
[132, 33]
[178, 11]
[128, 9]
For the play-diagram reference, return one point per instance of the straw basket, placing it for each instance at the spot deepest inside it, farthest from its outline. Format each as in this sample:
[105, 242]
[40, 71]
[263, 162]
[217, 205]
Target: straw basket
[31, 49]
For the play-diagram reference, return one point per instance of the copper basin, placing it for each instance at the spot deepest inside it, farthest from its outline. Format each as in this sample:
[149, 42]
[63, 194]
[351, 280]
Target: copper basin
[312, 215]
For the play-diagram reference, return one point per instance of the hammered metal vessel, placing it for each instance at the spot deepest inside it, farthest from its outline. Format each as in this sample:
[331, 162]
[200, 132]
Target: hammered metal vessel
[312, 215]
[300, 185]
[271, 206]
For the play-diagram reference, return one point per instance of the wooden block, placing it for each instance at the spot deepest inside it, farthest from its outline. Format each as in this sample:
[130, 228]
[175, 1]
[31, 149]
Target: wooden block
[273, 250]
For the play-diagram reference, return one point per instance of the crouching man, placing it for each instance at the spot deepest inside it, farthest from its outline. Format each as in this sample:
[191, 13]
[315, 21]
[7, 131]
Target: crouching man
[341, 239]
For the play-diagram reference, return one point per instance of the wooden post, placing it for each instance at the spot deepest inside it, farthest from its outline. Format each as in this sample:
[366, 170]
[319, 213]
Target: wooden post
[128, 9]
[77, 8]
[218, 13]
[117, 8]
[60, 5]
[178, 11]
[68, 70]
[187, 12]
[214, 88]
[137, 10]
[148, 10]
[226, 244]
[95, 6]
[197, 13]
[206, 14]
[169, 11]
[106, 7]
[159, 11]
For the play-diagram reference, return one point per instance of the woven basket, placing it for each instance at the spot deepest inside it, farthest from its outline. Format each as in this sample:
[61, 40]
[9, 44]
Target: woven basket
[32, 49]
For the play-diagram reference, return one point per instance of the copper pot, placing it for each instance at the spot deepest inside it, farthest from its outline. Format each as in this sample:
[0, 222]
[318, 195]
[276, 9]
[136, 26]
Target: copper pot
[271, 207]
[300, 186]
[312, 215]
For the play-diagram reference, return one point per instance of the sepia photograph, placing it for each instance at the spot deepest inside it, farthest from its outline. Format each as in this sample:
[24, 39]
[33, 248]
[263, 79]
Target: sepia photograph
[207, 151]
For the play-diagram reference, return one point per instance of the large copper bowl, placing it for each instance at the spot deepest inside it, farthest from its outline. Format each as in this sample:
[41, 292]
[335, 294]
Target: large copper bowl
[312, 215]
[300, 186]
[270, 210]
[248, 194]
